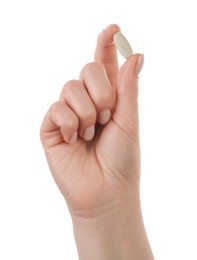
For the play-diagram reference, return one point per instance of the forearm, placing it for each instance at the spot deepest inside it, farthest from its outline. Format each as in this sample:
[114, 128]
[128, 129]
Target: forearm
[117, 233]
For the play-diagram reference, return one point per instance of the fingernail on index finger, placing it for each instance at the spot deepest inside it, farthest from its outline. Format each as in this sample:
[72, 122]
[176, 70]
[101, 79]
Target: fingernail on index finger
[105, 38]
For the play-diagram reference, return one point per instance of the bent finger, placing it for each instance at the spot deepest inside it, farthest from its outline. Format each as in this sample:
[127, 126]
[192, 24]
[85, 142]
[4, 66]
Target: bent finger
[60, 124]
[95, 79]
[75, 95]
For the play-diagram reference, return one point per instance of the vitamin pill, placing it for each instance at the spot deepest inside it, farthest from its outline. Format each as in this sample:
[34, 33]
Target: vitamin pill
[122, 45]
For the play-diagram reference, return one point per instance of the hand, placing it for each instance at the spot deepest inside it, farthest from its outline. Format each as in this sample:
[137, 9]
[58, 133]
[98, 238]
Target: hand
[103, 164]
[91, 138]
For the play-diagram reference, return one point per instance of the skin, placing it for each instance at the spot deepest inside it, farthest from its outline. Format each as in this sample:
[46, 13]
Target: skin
[99, 173]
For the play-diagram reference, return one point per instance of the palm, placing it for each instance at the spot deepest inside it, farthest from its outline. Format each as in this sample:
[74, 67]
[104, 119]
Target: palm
[94, 173]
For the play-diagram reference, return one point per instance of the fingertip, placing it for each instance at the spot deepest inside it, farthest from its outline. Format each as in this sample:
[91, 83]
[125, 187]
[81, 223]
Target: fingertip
[139, 64]
[88, 133]
[104, 116]
[105, 49]
[112, 28]
[73, 138]
[133, 65]
[105, 38]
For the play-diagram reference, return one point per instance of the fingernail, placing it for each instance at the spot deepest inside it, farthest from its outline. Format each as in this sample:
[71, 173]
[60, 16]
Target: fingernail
[88, 133]
[73, 139]
[104, 116]
[139, 64]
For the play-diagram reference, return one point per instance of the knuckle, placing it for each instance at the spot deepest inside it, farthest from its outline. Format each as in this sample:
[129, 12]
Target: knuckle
[71, 83]
[92, 67]
[71, 121]
[89, 115]
[71, 124]
[105, 98]
[54, 108]
[69, 86]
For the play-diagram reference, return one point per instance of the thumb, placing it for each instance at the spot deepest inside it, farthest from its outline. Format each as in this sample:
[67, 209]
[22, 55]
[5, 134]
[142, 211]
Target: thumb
[126, 110]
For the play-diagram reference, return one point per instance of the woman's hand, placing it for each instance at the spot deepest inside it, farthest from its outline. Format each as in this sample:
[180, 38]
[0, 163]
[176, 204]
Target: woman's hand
[91, 140]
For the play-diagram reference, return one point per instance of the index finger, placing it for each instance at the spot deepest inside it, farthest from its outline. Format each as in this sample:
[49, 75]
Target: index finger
[106, 52]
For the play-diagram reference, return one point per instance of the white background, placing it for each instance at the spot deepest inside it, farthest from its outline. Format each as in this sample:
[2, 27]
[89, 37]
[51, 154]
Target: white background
[43, 44]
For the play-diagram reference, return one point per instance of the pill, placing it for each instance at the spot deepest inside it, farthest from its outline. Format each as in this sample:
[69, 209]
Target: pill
[122, 45]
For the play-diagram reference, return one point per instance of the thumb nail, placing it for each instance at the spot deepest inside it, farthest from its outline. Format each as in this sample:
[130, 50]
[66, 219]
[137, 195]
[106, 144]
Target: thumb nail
[139, 64]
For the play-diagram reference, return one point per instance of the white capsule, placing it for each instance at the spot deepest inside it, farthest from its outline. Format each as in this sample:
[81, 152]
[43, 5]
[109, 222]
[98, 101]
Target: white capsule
[122, 45]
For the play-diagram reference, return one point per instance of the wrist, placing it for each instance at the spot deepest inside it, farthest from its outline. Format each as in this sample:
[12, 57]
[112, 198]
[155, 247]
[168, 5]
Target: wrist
[114, 231]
